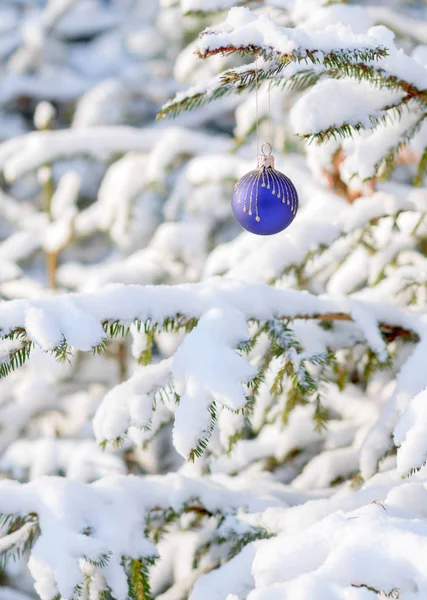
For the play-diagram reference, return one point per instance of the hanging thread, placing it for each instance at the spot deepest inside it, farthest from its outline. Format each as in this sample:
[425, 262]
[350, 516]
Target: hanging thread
[256, 104]
[265, 201]
[270, 137]
[269, 115]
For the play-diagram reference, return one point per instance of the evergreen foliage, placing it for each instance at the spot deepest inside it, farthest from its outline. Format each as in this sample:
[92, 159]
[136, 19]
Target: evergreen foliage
[257, 404]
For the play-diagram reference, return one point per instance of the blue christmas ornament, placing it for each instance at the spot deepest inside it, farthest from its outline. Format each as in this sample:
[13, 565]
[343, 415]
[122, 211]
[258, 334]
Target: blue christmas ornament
[265, 201]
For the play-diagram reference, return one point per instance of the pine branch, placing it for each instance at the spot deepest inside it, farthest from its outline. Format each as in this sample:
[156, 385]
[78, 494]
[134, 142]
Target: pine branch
[146, 354]
[147, 302]
[63, 352]
[307, 71]
[422, 168]
[388, 162]
[19, 357]
[378, 77]
[393, 594]
[203, 442]
[101, 562]
[390, 332]
[200, 11]
[139, 577]
[305, 373]
[239, 539]
[320, 415]
[334, 59]
[388, 114]
[113, 329]
[238, 80]
[159, 520]
[21, 534]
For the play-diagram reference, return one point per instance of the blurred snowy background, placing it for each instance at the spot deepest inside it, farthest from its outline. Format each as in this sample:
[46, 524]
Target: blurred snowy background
[94, 191]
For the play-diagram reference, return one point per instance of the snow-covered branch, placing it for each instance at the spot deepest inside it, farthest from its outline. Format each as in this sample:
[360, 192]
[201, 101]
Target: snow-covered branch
[209, 371]
[378, 85]
[246, 33]
[86, 538]
[82, 320]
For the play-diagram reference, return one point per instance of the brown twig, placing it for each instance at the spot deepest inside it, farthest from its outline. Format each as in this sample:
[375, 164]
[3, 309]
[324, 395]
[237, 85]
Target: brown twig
[390, 332]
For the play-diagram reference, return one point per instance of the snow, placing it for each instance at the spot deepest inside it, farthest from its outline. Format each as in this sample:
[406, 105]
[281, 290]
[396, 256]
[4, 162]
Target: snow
[396, 62]
[340, 560]
[124, 180]
[105, 104]
[368, 325]
[398, 22]
[156, 303]
[41, 329]
[19, 245]
[368, 150]
[234, 577]
[321, 225]
[63, 202]
[327, 468]
[81, 460]
[43, 115]
[349, 102]
[22, 154]
[59, 86]
[243, 28]
[7, 347]
[114, 417]
[409, 435]
[8, 593]
[136, 211]
[189, 6]
[65, 508]
[206, 368]
[409, 383]
[357, 18]
[58, 235]
[85, 18]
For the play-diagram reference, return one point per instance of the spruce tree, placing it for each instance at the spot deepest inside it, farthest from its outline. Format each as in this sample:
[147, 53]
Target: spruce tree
[262, 434]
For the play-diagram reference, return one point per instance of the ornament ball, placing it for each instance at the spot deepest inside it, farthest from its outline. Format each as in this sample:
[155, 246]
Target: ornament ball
[265, 201]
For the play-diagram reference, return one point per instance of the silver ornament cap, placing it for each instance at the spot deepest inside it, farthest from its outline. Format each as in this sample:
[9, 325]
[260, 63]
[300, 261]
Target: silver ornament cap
[266, 159]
